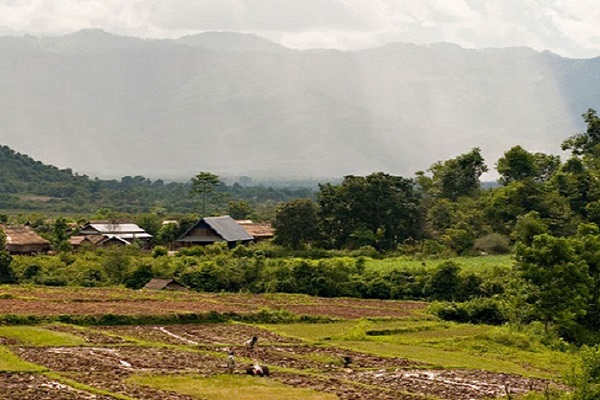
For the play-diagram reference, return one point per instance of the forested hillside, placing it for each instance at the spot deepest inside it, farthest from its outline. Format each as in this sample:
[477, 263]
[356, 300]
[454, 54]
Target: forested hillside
[29, 185]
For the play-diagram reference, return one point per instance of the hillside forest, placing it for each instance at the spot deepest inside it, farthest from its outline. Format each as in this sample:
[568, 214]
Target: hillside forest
[541, 222]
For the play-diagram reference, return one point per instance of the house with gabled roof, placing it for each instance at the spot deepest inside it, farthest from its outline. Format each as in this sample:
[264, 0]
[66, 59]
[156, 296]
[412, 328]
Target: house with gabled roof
[24, 240]
[209, 230]
[79, 241]
[124, 233]
[165, 284]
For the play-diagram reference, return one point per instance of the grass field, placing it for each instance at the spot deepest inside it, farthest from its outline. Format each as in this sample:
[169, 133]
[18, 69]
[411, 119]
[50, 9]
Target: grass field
[441, 344]
[468, 264]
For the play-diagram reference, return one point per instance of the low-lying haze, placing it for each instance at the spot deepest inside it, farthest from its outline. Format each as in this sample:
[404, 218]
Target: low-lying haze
[152, 90]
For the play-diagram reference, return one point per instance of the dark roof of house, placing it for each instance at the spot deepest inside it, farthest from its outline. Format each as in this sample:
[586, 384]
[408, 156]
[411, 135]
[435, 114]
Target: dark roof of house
[225, 227]
[161, 283]
[23, 236]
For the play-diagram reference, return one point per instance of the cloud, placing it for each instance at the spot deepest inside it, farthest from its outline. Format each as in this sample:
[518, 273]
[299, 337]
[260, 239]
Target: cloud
[567, 27]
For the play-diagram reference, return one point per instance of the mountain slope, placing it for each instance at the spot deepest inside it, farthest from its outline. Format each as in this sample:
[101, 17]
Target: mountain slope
[237, 104]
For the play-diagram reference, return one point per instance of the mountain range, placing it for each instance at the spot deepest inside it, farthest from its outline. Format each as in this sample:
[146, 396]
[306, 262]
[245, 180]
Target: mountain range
[237, 104]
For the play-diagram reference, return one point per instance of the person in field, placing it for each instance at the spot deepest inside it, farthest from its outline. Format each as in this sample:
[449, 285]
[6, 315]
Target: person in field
[258, 370]
[231, 362]
[251, 346]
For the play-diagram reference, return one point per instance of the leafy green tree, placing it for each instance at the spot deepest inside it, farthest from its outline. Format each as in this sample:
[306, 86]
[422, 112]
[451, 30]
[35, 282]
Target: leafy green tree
[460, 238]
[459, 176]
[557, 279]
[7, 275]
[518, 164]
[115, 264]
[529, 226]
[442, 214]
[60, 237]
[385, 206]
[205, 184]
[149, 222]
[239, 209]
[167, 234]
[445, 282]
[139, 276]
[295, 223]
[586, 379]
[585, 143]
[588, 239]
[546, 166]
[577, 184]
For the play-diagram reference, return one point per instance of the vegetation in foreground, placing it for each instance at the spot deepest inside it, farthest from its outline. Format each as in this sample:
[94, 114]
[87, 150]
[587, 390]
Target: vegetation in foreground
[173, 360]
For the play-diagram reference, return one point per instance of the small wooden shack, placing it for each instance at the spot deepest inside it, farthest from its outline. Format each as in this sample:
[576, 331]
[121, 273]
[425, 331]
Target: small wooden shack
[210, 230]
[165, 284]
[24, 240]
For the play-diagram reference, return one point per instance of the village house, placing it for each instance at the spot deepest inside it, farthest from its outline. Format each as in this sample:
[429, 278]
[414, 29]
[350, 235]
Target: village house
[80, 241]
[165, 284]
[114, 233]
[259, 230]
[24, 240]
[211, 230]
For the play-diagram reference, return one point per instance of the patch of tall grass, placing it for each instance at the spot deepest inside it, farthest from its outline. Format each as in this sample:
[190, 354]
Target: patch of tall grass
[226, 387]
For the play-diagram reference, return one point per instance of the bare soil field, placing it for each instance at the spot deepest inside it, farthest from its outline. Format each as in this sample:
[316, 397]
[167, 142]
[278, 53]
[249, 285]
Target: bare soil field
[114, 354]
[106, 365]
[92, 301]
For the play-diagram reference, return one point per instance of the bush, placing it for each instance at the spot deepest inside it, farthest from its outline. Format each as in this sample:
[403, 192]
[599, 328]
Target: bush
[159, 251]
[445, 282]
[494, 243]
[477, 311]
[587, 383]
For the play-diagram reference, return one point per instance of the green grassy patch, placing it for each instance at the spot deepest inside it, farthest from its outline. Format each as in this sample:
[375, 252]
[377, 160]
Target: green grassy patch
[226, 387]
[11, 363]
[338, 330]
[468, 264]
[442, 344]
[36, 336]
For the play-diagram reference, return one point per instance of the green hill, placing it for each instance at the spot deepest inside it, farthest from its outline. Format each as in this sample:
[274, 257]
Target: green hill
[27, 185]
[20, 173]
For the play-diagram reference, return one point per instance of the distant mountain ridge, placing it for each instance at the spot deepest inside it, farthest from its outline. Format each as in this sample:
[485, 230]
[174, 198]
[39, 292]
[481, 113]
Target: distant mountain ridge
[238, 104]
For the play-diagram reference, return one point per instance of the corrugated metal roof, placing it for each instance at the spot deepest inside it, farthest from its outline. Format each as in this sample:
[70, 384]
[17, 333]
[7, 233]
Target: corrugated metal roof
[228, 229]
[114, 228]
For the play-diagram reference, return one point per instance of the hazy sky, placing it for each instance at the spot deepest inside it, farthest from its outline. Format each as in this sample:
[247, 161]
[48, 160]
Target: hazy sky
[568, 27]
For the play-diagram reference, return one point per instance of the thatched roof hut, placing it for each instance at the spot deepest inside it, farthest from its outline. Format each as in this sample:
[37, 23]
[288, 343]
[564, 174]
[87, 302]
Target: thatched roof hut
[259, 230]
[24, 240]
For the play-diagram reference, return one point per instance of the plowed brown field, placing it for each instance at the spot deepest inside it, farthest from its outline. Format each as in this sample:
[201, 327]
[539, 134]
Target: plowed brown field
[101, 369]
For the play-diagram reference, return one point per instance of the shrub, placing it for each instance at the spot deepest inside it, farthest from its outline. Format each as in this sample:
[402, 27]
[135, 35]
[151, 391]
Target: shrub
[494, 243]
[477, 311]
[445, 283]
[587, 383]
[159, 251]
